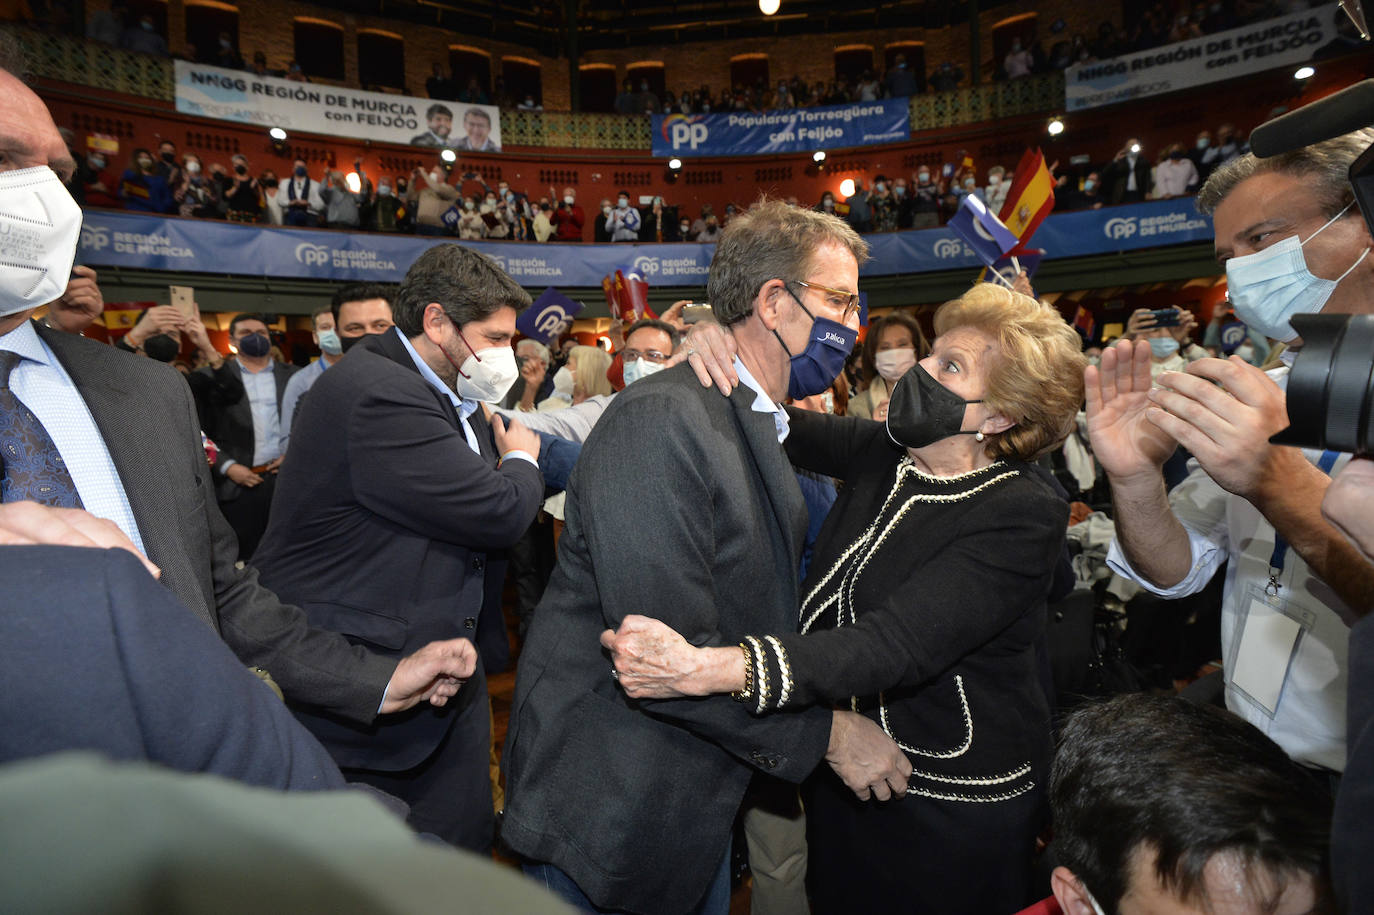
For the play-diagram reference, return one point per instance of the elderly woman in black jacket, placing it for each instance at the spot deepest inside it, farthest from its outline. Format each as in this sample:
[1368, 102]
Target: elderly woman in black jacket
[924, 609]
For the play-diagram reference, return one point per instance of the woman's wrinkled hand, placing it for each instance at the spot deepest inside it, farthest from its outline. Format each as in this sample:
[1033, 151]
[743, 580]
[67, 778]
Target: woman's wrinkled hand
[651, 660]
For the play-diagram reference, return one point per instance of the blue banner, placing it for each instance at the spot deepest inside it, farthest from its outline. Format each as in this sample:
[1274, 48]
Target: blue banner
[790, 130]
[110, 238]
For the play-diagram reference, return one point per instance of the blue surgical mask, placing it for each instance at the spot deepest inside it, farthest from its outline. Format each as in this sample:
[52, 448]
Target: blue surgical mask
[815, 368]
[1268, 287]
[640, 368]
[329, 342]
[1163, 347]
[299, 171]
[1088, 184]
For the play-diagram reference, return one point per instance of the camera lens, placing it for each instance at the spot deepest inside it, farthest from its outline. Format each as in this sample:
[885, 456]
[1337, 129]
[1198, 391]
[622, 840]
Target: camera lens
[1331, 384]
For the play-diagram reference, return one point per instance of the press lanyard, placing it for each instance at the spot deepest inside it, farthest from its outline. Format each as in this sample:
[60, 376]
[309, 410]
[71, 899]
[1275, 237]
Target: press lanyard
[1325, 463]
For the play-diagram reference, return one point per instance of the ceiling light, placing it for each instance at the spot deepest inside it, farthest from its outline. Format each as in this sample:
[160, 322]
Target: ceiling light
[847, 187]
[769, 7]
[1056, 127]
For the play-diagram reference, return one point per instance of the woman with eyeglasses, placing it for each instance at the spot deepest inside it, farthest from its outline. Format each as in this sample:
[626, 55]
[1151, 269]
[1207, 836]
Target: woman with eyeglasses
[924, 609]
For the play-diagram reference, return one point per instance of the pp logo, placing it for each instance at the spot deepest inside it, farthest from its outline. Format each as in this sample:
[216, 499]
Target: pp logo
[946, 248]
[95, 239]
[680, 130]
[645, 265]
[499, 260]
[311, 255]
[1120, 227]
[1233, 335]
[550, 322]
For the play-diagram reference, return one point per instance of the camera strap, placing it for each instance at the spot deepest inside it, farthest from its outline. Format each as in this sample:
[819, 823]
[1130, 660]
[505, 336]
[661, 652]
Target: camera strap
[1324, 463]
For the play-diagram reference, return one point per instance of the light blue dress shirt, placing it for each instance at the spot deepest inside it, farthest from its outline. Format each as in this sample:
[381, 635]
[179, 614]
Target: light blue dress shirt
[261, 388]
[465, 408]
[44, 386]
[300, 382]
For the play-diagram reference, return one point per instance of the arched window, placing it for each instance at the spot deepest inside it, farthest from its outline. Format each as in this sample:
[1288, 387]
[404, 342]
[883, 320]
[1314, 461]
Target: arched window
[597, 86]
[319, 47]
[523, 77]
[381, 59]
[852, 60]
[467, 63]
[206, 21]
[749, 70]
[915, 54]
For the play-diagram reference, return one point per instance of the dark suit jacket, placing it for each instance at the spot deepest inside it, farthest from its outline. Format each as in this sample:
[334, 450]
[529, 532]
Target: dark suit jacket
[98, 656]
[1117, 175]
[682, 507]
[144, 412]
[227, 417]
[381, 527]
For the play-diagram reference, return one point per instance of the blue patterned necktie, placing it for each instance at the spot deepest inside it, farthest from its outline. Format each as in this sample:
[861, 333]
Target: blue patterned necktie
[34, 470]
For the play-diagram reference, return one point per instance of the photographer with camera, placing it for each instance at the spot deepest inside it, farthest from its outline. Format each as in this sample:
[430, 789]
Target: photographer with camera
[1292, 242]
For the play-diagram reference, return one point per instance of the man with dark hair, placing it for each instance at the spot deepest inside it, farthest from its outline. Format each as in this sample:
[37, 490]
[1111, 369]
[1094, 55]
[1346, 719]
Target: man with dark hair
[240, 405]
[588, 802]
[361, 310]
[477, 132]
[299, 197]
[396, 496]
[1163, 805]
[439, 118]
[138, 461]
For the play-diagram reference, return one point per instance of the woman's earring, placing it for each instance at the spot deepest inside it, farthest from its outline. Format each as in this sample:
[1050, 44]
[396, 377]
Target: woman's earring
[979, 436]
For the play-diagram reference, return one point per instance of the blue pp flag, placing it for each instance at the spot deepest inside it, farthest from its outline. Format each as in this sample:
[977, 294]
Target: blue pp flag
[550, 315]
[1027, 259]
[981, 230]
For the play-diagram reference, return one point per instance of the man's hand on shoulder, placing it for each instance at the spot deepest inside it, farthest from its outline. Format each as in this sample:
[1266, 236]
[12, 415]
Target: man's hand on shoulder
[435, 673]
[29, 524]
[514, 437]
[868, 761]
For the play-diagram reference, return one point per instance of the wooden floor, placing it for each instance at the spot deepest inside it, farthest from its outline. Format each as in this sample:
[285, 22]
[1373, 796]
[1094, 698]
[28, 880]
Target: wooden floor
[502, 689]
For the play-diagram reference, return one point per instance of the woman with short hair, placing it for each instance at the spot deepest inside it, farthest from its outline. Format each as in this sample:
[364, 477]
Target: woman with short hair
[924, 609]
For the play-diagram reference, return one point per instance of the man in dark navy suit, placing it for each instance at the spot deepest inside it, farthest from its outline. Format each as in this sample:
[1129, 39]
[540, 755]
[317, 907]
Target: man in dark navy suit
[394, 498]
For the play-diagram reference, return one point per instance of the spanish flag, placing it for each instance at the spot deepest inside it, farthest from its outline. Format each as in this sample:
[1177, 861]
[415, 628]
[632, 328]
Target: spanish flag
[1031, 196]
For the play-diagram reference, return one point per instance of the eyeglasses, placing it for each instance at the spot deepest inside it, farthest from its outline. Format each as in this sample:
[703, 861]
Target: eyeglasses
[838, 299]
[653, 355]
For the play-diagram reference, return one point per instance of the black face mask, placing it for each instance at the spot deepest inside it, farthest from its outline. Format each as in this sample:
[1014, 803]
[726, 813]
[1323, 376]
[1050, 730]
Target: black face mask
[162, 347]
[169, 158]
[923, 411]
[240, 169]
[349, 342]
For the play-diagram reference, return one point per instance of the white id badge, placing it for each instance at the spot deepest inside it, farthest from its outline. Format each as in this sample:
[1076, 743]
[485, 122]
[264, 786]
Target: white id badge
[1270, 629]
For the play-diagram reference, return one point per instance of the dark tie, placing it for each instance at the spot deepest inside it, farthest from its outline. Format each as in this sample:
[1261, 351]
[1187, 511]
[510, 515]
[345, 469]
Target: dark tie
[34, 471]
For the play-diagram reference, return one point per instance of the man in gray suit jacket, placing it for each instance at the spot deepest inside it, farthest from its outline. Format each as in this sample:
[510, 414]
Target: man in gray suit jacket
[627, 805]
[133, 446]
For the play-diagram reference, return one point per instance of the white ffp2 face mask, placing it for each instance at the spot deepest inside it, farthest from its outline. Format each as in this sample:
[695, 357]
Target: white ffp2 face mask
[563, 382]
[487, 374]
[641, 368]
[1268, 287]
[40, 225]
[894, 363]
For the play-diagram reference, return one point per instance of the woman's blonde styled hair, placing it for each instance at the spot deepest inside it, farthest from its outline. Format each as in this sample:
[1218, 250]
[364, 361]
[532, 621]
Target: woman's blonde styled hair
[1036, 377]
[592, 363]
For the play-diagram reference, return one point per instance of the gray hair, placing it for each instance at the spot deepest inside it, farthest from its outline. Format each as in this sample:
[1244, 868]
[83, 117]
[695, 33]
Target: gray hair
[13, 57]
[533, 348]
[1327, 164]
[467, 285]
[770, 241]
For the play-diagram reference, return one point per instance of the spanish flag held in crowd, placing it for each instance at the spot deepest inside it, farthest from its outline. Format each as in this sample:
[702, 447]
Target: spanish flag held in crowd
[1030, 198]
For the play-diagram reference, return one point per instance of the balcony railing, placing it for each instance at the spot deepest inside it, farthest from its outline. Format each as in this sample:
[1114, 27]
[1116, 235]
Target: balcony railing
[91, 63]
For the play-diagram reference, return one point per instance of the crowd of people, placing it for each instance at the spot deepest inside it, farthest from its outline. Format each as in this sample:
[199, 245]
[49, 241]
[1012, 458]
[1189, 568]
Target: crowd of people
[775, 593]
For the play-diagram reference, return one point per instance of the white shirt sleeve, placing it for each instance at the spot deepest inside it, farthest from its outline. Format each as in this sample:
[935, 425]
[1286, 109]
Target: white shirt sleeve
[1200, 506]
[573, 423]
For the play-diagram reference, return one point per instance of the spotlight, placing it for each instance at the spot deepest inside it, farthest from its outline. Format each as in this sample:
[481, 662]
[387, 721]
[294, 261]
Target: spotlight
[847, 187]
[675, 164]
[1056, 127]
[276, 133]
[769, 7]
[1304, 73]
[1135, 147]
[674, 169]
[448, 156]
[355, 184]
[818, 156]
